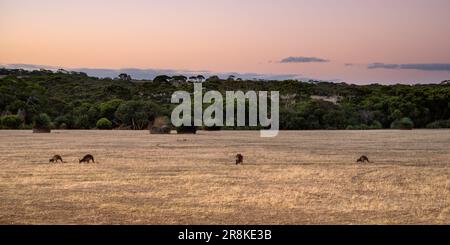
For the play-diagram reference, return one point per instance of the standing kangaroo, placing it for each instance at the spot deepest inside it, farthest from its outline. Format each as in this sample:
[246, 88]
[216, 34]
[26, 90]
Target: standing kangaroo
[239, 159]
[55, 159]
[363, 159]
[87, 159]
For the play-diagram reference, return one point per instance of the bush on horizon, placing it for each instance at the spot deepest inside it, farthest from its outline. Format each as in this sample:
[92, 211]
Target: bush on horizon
[11, 122]
[439, 124]
[104, 123]
[404, 123]
[62, 122]
[82, 122]
[42, 121]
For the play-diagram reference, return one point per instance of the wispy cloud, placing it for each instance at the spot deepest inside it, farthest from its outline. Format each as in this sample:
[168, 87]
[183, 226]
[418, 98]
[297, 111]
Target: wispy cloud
[420, 67]
[300, 59]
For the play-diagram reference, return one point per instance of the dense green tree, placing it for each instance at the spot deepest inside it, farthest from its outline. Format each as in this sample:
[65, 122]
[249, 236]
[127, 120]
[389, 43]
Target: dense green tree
[179, 78]
[162, 79]
[85, 116]
[137, 114]
[124, 76]
[200, 78]
[82, 122]
[107, 109]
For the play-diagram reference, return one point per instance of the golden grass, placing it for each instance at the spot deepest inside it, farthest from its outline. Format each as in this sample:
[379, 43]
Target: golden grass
[305, 177]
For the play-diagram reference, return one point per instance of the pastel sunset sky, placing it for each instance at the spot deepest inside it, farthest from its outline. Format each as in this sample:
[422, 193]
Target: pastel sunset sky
[354, 41]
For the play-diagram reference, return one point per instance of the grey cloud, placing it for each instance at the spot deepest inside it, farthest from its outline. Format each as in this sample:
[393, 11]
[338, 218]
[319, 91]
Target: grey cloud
[303, 60]
[420, 67]
[383, 66]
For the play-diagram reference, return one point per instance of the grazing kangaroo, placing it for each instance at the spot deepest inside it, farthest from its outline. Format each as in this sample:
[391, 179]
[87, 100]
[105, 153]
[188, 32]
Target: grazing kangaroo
[87, 159]
[363, 159]
[239, 159]
[56, 158]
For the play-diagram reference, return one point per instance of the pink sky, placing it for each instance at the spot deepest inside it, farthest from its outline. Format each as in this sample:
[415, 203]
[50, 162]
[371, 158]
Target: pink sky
[245, 36]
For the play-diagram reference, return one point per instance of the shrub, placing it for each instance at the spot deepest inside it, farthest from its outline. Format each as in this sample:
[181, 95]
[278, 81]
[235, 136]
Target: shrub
[26, 126]
[357, 127]
[42, 121]
[439, 124]
[404, 123]
[82, 122]
[62, 126]
[93, 114]
[62, 122]
[104, 123]
[376, 125]
[11, 122]
[363, 126]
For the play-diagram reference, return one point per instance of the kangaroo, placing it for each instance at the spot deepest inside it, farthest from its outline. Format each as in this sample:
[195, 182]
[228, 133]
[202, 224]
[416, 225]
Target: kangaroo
[239, 159]
[56, 158]
[363, 159]
[87, 159]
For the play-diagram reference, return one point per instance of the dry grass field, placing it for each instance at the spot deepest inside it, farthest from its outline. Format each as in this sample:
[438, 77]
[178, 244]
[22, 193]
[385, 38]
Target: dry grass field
[307, 177]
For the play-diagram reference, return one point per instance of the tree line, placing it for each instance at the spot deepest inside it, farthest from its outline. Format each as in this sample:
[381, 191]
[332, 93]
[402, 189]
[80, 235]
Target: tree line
[74, 100]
